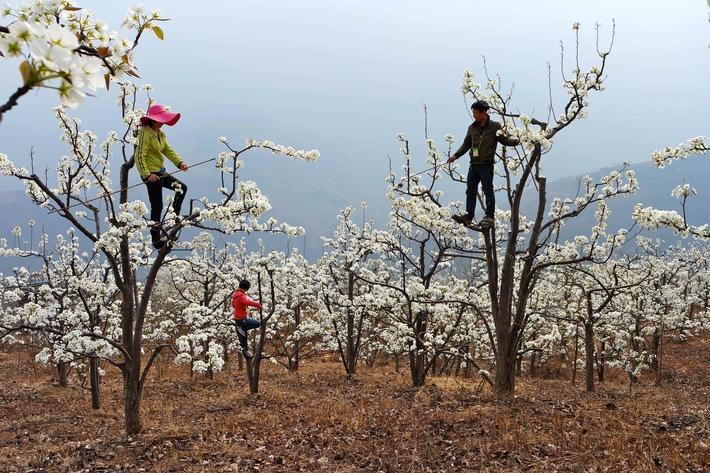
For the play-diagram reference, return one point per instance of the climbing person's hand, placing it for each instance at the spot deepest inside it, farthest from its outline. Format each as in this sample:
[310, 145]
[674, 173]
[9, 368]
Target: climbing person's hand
[153, 178]
[451, 159]
[184, 167]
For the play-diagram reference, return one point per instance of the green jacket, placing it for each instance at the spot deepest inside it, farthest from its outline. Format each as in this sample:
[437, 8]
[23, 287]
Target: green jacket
[152, 145]
[485, 139]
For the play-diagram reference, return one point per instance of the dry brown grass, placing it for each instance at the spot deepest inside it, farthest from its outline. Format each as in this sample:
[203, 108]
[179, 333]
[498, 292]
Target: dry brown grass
[320, 421]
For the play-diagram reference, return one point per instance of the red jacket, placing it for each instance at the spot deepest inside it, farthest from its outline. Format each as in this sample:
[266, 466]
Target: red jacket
[240, 302]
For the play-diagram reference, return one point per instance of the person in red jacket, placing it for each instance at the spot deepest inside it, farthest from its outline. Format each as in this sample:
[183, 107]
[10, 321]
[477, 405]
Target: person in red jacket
[241, 303]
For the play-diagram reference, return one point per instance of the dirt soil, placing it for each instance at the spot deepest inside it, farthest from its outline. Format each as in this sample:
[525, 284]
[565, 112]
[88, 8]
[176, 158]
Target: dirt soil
[318, 420]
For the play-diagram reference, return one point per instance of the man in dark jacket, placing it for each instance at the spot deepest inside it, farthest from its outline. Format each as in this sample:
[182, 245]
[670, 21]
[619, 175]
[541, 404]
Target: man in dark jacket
[481, 142]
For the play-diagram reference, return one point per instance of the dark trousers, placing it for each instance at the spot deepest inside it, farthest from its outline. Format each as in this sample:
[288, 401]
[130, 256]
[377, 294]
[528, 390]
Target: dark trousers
[155, 196]
[483, 174]
[246, 325]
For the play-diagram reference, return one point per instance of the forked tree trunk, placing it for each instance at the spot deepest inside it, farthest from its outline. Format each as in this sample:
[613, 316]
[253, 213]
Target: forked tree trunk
[254, 365]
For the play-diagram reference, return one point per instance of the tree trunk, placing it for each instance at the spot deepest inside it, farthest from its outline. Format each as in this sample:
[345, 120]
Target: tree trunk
[518, 365]
[253, 371]
[659, 356]
[225, 350]
[132, 396]
[371, 359]
[654, 349]
[576, 354]
[417, 357]
[417, 360]
[505, 358]
[637, 348]
[63, 374]
[504, 385]
[351, 368]
[351, 352]
[254, 389]
[471, 353]
[254, 365]
[601, 363]
[533, 360]
[397, 363]
[589, 355]
[95, 382]
[293, 361]
[350, 348]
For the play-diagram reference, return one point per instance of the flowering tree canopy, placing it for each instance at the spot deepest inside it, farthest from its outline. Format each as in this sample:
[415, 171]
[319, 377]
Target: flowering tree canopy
[118, 228]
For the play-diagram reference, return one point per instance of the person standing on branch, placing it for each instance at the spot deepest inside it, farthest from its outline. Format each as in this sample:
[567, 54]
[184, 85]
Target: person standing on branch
[481, 141]
[152, 146]
[241, 303]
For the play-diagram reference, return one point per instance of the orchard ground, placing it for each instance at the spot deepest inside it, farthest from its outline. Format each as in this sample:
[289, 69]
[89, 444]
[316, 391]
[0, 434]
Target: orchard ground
[318, 420]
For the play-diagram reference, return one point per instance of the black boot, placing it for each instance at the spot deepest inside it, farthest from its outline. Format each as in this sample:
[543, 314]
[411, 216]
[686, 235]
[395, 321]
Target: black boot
[158, 240]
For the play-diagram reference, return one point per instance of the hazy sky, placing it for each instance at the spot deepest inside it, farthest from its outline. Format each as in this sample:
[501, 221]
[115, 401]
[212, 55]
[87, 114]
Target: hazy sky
[346, 76]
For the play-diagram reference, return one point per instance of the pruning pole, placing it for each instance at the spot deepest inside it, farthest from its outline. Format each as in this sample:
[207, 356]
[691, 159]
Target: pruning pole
[84, 202]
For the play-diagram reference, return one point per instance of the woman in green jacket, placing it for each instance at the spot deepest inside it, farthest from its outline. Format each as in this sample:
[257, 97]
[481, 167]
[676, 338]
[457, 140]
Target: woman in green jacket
[152, 146]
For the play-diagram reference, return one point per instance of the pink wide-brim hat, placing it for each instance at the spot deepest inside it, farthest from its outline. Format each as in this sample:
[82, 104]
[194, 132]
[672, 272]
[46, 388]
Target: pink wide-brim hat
[159, 114]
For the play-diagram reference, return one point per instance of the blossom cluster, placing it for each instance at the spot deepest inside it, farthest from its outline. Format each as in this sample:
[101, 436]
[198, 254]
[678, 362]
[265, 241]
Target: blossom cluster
[289, 151]
[694, 146]
[62, 46]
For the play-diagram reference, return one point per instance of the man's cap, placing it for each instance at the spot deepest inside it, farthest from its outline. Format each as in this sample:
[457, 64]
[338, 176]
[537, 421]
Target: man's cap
[480, 105]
